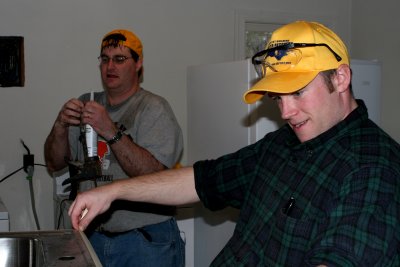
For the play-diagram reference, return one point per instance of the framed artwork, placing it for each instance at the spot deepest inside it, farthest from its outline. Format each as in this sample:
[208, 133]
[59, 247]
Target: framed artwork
[12, 65]
[253, 28]
[256, 37]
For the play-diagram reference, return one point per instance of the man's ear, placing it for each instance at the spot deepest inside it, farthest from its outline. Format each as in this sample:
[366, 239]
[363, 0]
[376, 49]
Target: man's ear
[139, 64]
[342, 78]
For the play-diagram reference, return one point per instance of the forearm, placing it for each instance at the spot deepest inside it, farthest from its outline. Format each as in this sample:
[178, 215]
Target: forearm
[170, 187]
[133, 159]
[56, 148]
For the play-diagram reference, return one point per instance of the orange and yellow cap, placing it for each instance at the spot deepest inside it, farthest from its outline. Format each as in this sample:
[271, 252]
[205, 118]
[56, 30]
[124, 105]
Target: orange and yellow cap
[125, 38]
[313, 59]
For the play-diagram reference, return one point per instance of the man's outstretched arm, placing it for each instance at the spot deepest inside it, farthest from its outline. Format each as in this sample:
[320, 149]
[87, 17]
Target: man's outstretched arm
[171, 187]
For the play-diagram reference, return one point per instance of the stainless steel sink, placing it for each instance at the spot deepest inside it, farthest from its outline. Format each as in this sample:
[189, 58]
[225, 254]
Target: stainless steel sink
[46, 249]
[21, 251]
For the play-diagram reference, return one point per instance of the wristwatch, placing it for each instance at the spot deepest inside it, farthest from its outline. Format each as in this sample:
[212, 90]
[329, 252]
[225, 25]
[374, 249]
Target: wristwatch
[117, 136]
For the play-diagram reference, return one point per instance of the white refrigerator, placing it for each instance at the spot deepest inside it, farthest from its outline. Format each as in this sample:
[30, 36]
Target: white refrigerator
[219, 122]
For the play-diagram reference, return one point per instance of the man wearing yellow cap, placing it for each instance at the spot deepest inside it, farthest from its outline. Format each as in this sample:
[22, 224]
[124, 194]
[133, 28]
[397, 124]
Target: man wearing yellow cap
[137, 134]
[323, 190]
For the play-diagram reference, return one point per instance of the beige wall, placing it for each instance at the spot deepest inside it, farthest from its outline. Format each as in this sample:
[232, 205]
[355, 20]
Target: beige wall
[375, 35]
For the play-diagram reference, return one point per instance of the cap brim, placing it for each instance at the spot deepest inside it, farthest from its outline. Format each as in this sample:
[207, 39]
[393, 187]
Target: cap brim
[279, 82]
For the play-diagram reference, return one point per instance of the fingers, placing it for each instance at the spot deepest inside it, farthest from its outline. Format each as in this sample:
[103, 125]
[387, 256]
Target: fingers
[74, 105]
[71, 212]
[86, 206]
[83, 224]
[70, 113]
[75, 112]
[85, 211]
[92, 112]
[78, 212]
[97, 116]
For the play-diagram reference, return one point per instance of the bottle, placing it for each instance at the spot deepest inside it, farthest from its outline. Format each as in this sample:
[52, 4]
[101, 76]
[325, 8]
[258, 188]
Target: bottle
[91, 136]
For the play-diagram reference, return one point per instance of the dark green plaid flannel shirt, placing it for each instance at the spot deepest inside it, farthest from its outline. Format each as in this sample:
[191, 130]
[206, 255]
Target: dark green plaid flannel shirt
[345, 184]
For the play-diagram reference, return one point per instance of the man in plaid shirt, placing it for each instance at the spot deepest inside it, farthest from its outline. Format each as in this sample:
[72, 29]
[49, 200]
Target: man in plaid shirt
[323, 190]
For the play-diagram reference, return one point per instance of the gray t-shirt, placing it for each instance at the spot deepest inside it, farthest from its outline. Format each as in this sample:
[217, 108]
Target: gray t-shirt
[151, 123]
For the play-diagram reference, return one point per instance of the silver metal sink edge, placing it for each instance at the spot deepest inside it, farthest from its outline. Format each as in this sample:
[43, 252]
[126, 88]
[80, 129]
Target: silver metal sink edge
[46, 249]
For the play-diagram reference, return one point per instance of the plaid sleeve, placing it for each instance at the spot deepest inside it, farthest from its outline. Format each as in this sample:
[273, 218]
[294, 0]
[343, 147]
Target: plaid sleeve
[224, 181]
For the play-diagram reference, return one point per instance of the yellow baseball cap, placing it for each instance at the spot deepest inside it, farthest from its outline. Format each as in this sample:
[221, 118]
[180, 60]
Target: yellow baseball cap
[125, 38]
[294, 56]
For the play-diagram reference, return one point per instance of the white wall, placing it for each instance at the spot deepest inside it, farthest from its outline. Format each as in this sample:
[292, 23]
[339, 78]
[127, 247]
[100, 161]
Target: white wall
[375, 27]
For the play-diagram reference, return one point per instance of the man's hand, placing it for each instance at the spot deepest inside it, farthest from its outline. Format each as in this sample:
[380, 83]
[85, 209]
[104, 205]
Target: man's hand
[70, 113]
[56, 147]
[97, 116]
[88, 205]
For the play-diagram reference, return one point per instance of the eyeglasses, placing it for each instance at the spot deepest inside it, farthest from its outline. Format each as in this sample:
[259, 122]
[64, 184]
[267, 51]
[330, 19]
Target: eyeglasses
[118, 60]
[283, 57]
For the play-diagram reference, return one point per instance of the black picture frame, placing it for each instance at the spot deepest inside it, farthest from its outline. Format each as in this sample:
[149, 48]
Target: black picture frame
[12, 66]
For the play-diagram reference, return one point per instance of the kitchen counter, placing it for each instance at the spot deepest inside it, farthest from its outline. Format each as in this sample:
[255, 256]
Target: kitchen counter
[56, 248]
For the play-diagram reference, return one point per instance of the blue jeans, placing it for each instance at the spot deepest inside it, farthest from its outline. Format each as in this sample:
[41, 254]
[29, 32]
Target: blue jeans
[153, 245]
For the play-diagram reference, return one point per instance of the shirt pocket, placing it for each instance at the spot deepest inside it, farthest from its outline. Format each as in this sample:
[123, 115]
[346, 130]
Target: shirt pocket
[293, 237]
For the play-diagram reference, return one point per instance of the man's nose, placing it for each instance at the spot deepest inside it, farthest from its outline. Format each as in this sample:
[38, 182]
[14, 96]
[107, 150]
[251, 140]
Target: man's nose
[287, 107]
[110, 64]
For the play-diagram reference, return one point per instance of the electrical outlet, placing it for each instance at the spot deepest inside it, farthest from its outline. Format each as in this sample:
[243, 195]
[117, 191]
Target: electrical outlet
[29, 160]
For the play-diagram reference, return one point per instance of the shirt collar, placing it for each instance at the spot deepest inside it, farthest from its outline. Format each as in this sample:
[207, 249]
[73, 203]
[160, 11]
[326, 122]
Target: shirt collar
[353, 120]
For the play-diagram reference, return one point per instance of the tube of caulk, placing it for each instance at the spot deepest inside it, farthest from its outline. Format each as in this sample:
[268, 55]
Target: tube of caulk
[91, 136]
